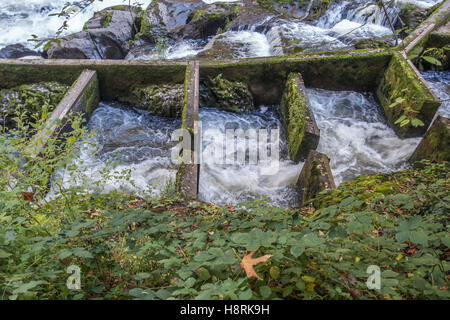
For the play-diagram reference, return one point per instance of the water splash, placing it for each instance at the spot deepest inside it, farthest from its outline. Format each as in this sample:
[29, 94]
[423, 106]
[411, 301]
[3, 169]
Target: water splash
[243, 182]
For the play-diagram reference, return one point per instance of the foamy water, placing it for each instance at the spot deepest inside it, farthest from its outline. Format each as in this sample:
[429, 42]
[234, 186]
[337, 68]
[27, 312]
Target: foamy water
[354, 135]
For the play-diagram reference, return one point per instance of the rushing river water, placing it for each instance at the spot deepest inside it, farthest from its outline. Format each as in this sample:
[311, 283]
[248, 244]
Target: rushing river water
[343, 24]
[137, 142]
[354, 135]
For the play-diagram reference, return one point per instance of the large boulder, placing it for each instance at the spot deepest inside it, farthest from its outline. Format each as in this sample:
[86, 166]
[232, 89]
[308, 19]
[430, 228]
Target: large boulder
[315, 177]
[106, 35]
[435, 144]
[164, 100]
[16, 51]
[220, 93]
[301, 128]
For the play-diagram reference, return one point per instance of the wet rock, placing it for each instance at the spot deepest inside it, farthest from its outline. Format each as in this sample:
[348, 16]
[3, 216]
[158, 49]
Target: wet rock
[316, 176]
[29, 100]
[105, 36]
[208, 20]
[220, 93]
[15, 51]
[302, 132]
[75, 46]
[161, 100]
[435, 144]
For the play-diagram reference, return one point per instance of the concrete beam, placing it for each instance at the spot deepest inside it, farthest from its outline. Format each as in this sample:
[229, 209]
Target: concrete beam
[83, 97]
[188, 173]
[358, 70]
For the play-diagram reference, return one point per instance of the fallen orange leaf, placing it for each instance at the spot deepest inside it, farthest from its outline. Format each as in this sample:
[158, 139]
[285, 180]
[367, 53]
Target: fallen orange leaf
[248, 262]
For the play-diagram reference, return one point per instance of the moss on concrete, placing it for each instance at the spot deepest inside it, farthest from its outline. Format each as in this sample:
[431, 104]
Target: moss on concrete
[355, 70]
[165, 100]
[232, 96]
[91, 97]
[400, 81]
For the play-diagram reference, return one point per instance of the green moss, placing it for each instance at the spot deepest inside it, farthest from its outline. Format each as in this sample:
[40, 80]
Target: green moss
[91, 97]
[165, 100]
[400, 81]
[232, 96]
[34, 102]
[435, 144]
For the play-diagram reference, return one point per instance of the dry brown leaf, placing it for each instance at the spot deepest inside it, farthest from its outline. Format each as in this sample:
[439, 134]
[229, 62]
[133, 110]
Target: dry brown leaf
[248, 263]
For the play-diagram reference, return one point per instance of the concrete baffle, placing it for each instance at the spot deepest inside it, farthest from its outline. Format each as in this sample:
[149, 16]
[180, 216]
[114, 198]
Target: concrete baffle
[301, 128]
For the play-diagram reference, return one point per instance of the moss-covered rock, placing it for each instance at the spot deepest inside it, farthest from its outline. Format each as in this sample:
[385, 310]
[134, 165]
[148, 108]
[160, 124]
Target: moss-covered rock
[316, 176]
[302, 132]
[412, 16]
[435, 145]
[165, 100]
[32, 102]
[220, 93]
[401, 90]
